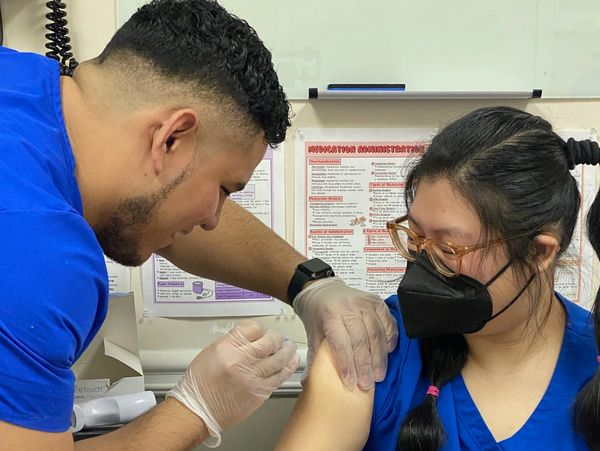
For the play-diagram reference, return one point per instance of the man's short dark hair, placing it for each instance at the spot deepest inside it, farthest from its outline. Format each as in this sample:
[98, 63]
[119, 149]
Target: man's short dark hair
[199, 42]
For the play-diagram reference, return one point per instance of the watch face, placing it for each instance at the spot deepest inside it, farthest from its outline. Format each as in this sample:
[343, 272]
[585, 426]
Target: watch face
[316, 266]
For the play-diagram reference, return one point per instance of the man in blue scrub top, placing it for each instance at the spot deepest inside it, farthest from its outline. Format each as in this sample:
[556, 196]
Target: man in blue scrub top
[127, 157]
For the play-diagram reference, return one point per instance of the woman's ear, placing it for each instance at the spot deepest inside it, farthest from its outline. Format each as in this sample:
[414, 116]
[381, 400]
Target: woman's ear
[544, 249]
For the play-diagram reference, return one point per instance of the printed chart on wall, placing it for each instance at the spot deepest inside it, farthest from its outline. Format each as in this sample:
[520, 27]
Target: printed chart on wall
[169, 291]
[119, 278]
[350, 182]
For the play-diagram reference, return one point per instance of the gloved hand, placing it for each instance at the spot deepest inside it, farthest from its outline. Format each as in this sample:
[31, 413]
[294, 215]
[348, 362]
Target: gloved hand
[234, 375]
[358, 326]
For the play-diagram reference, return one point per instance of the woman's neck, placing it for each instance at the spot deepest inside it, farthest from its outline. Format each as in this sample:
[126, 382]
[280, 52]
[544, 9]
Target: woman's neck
[524, 339]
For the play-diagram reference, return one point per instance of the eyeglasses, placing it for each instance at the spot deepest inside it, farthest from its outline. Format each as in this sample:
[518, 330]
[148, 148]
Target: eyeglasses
[445, 256]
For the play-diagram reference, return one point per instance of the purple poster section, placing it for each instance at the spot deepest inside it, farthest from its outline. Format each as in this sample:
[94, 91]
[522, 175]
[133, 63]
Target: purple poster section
[228, 292]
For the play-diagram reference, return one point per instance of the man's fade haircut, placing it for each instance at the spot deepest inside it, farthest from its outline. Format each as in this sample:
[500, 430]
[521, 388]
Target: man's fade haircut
[199, 42]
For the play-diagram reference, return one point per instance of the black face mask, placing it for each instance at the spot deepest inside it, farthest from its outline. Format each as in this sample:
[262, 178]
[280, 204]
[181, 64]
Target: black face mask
[433, 304]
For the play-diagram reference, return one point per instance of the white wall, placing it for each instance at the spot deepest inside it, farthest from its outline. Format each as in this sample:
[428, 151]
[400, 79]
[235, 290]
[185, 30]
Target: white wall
[91, 24]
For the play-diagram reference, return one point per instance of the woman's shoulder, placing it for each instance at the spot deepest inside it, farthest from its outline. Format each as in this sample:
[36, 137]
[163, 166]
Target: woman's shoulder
[579, 320]
[579, 352]
[394, 306]
[394, 395]
[404, 367]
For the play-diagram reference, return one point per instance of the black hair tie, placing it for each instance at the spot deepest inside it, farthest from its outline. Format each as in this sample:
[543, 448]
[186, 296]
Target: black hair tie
[582, 152]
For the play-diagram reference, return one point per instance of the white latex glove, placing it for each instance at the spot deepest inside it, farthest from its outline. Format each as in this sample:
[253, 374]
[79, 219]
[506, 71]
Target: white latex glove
[358, 326]
[234, 375]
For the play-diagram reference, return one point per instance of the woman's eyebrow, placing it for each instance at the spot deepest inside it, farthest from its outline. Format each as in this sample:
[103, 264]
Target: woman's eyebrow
[453, 231]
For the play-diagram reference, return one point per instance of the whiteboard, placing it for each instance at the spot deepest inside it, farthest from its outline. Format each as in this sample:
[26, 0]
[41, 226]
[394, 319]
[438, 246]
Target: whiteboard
[431, 45]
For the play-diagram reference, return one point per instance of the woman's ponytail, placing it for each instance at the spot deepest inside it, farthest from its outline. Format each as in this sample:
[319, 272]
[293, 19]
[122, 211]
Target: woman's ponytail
[587, 405]
[443, 358]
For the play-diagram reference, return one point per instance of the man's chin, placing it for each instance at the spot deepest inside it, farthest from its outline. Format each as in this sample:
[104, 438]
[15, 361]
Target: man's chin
[143, 258]
[127, 258]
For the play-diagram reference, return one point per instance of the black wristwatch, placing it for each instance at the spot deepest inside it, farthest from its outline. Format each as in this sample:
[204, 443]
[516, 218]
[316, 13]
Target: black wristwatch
[312, 269]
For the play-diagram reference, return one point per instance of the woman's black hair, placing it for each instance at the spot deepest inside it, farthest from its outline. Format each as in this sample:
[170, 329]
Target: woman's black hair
[513, 169]
[587, 404]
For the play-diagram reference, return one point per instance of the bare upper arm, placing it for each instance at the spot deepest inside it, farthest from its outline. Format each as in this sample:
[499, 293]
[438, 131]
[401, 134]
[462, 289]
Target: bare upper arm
[327, 415]
[16, 438]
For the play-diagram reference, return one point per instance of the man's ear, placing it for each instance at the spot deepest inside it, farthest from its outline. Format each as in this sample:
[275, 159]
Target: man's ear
[544, 250]
[176, 133]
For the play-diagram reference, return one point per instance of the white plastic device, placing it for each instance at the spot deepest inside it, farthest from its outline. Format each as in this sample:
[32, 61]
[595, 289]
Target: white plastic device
[110, 410]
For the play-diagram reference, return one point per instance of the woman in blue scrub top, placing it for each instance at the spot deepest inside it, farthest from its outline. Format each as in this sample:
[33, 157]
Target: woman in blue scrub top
[490, 357]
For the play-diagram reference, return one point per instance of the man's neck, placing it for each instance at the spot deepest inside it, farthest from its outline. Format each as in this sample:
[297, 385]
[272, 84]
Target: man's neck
[86, 136]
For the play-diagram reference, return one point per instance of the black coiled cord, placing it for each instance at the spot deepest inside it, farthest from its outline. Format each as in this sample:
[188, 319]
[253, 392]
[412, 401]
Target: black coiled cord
[58, 40]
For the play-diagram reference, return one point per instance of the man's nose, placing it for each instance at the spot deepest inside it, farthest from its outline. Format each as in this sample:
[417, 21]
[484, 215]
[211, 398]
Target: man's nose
[213, 221]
